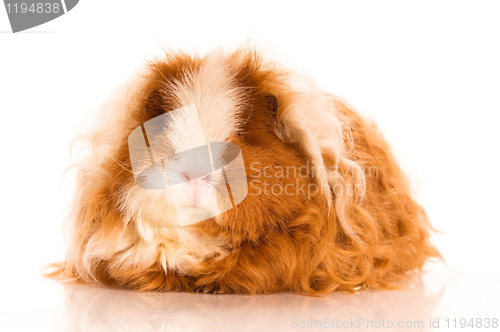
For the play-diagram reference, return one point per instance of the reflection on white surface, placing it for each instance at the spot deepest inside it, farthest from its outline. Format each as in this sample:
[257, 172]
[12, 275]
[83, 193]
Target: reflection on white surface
[440, 293]
[97, 309]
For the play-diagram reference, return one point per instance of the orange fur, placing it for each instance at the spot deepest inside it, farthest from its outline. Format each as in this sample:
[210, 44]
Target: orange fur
[302, 243]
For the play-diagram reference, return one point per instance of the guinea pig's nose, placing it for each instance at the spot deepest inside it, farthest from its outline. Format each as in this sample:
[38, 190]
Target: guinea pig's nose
[188, 176]
[195, 187]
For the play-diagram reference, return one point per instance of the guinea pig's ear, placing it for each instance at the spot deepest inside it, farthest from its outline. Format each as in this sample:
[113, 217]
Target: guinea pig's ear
[154, 104]
[272, 103]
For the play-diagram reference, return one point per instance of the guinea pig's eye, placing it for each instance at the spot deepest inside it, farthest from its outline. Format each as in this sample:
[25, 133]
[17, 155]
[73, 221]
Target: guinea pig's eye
[154, 104]
[272, 103]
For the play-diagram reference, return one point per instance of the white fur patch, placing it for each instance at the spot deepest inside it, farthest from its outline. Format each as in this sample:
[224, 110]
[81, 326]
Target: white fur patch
[216, 98]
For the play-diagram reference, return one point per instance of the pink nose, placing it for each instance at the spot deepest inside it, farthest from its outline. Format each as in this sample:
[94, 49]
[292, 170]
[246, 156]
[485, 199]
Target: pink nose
[195, 187]
[188, 176]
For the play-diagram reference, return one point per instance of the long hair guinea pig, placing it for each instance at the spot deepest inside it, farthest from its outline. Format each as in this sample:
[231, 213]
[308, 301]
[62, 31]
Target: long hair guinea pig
[324, 204]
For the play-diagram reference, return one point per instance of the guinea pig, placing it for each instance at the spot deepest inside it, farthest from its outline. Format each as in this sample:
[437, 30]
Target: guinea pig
[301, 194]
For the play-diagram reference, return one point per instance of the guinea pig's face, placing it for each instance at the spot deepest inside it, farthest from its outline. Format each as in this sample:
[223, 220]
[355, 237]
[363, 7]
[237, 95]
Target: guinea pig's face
[192, 106]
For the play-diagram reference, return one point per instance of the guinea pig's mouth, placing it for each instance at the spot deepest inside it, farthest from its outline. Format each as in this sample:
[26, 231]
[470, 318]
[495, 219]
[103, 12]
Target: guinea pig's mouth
[181, 168]
[192, 214]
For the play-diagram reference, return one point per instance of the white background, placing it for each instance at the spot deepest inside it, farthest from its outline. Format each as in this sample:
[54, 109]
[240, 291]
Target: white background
[427, 72]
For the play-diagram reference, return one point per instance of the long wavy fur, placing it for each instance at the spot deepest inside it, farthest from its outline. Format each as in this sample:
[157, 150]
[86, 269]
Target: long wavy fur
[364, 229]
